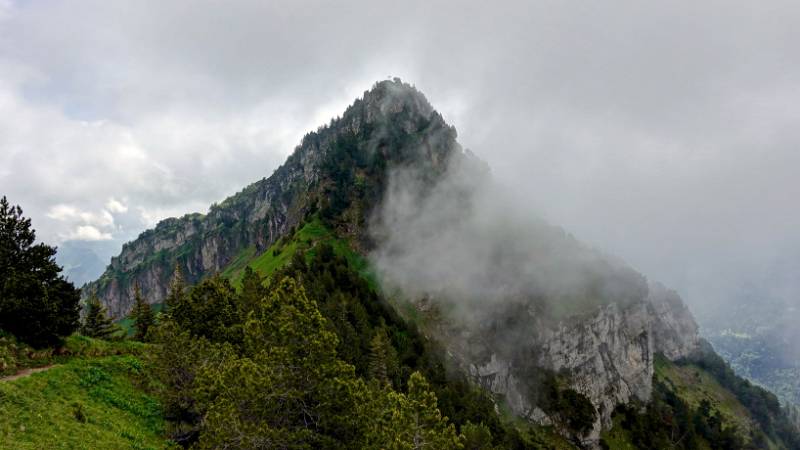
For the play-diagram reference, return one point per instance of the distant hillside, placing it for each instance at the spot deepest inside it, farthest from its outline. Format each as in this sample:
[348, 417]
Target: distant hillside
[760, 337]
[82, 261]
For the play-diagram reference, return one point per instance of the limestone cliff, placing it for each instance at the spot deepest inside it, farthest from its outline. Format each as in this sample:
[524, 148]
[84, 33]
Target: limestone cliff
[607, 355]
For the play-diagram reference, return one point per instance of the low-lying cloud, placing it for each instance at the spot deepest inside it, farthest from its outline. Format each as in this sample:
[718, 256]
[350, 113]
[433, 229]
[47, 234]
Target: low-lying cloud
[469, 242]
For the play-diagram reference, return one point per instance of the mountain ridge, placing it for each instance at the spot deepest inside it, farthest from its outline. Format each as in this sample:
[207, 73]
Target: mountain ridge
[605, 355]
[202, 244]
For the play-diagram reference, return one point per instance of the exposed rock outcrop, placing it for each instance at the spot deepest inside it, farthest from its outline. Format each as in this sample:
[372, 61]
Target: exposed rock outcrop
[607, 356]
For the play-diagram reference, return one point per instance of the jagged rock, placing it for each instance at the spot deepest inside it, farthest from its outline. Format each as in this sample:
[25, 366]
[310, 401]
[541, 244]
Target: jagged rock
[608, 356]
[392, 124]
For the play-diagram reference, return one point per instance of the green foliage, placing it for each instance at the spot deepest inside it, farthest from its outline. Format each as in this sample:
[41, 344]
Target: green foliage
[282, 384]
[77, 345]
[477, 437]
[692, 408]
[287, 387]
[16, 356]
[252, 291]
[353, 309]
[210, 310]
[670, 422]
[576, 410]
[283, 252]
[762, 404]
[142, 315]
[96, 322]
[174, 363]
[37, 304]
[413, 421]
[382, 357]
[331, 326]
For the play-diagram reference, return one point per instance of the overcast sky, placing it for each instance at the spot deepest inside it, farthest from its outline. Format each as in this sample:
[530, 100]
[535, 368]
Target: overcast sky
[664, 132]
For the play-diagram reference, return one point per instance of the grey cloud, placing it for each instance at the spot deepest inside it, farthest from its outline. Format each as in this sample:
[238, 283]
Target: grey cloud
[664, 133]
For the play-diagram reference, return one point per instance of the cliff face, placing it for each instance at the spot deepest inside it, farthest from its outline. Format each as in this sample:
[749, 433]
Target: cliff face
[202, 244]
[336, 171]
[607, 356]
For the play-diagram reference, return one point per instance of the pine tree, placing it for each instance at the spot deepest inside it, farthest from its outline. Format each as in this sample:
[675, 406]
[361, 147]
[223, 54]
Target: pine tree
[383, 363]
[288, 389]
[377, 359]
[413, 420]
[210, 310]
[477, 436]
[252, 291]
[142, 315]
[177, 290]
[37, 304]
[97, 324]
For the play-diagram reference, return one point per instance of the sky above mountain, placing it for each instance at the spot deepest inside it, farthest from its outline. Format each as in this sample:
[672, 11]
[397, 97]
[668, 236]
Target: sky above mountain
[663, 133]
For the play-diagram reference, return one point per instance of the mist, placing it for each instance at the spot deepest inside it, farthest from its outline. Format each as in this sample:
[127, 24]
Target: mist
[665, 134]
[475, 247]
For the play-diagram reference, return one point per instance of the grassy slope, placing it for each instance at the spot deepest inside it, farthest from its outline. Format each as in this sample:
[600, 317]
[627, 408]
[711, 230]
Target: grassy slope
[281, 252]
[694, 385]
[16, 356]
[85, 403]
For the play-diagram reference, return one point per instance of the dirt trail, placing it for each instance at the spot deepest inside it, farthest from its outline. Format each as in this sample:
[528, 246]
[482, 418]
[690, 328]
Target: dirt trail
[26, 372]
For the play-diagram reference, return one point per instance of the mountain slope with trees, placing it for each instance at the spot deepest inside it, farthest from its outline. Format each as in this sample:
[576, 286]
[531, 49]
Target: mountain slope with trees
[284, 314]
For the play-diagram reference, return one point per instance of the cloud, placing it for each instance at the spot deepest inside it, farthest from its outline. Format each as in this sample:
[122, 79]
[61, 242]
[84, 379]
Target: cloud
[115, 206]
[663, 133]
[69, 213]
[88, 233]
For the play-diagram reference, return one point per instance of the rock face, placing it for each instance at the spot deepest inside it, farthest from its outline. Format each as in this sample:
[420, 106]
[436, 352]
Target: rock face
[336, 171]
[607, 356]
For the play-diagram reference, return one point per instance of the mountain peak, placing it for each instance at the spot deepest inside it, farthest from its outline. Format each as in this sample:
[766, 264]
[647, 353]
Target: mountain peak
[338, 171]
[392, 96]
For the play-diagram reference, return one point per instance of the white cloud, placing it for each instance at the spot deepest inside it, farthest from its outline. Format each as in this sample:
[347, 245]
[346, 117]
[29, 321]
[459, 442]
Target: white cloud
[65, 213]
[88, 233]
[116, 206]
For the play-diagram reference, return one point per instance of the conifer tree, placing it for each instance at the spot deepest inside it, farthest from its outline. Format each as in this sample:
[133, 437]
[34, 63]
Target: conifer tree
[413, 420]
[177, 290]
[477, 436]
[97, 324]
[382, 358]
[142, 314]
[37, 304]
[252, 291]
